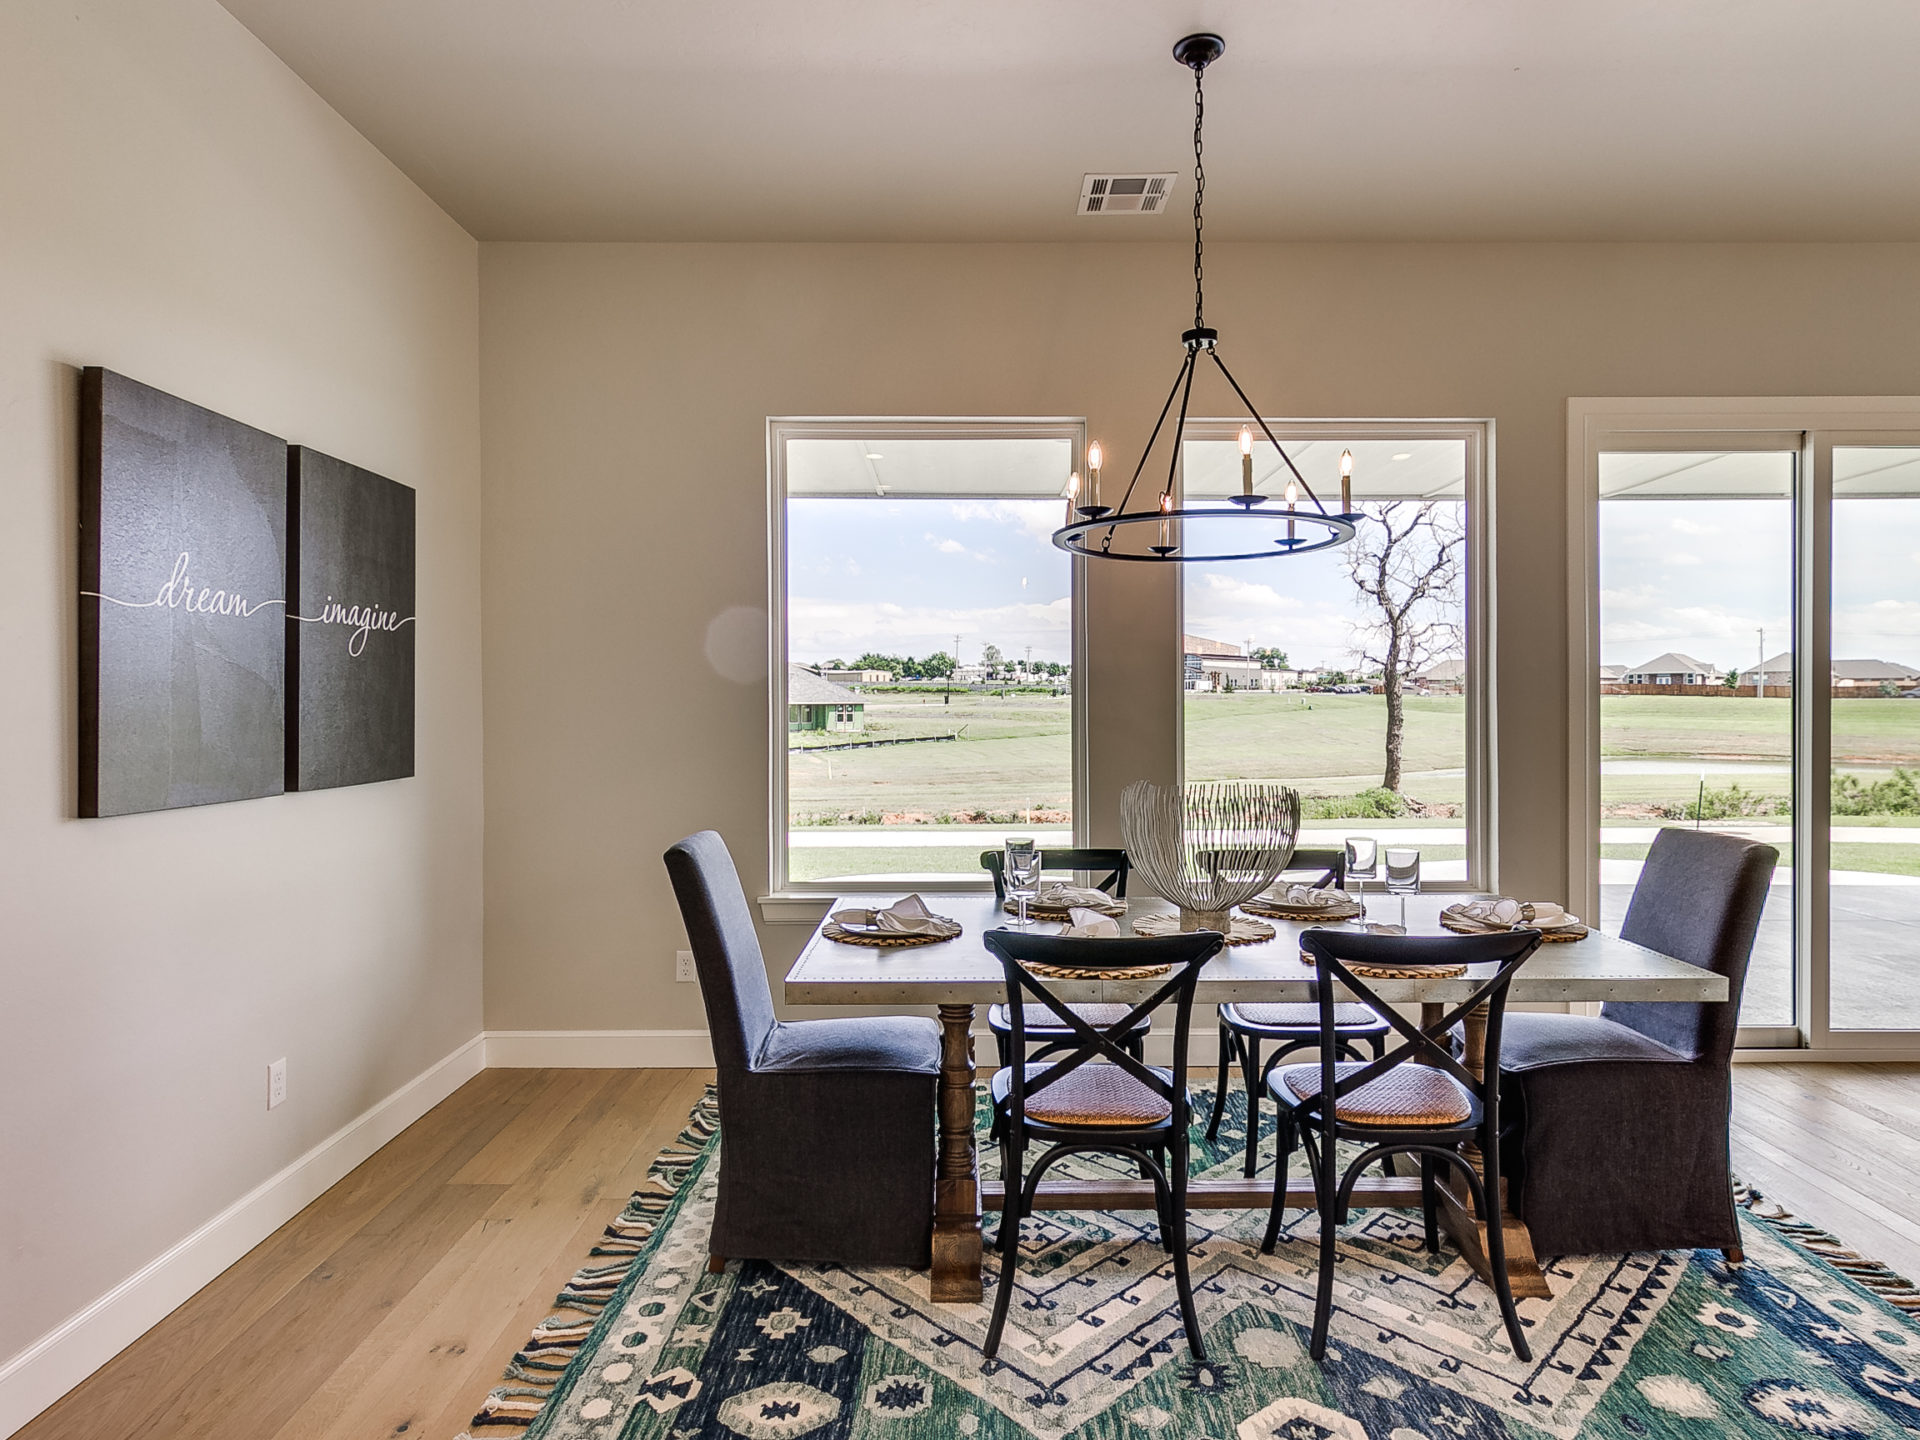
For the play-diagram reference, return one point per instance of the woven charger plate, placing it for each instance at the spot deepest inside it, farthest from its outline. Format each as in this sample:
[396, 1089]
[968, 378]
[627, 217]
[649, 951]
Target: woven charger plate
[1560, 936]
[1065, 972]
[1278, 910]
[1244, 930]
[879, 941]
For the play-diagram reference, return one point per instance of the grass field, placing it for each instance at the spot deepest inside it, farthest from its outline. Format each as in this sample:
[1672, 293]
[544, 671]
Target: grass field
[1013, 762]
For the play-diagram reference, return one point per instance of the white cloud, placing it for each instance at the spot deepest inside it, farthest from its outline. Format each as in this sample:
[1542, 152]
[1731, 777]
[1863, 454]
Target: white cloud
[949, 547]
[1681, 557]
[1036, 518]
[1694, 527]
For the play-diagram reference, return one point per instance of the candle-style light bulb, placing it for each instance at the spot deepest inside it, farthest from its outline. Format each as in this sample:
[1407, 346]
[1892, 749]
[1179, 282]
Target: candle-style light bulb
[1096, 457]
[1166, 509]
[1293, 495]
[1346, 482]
[1246, 460]
[1073, 496]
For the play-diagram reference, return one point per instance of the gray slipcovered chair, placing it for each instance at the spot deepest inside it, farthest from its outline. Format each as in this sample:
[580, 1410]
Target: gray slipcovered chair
[1619, 1121]
[826, 1126]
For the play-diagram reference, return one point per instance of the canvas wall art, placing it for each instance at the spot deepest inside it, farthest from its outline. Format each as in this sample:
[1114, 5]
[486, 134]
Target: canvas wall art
[183, 588]
[350, 625]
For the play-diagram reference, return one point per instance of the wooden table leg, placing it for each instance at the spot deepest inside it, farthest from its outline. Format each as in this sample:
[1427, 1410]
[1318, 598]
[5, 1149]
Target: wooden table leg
[1469, 1231]
[956, 1191]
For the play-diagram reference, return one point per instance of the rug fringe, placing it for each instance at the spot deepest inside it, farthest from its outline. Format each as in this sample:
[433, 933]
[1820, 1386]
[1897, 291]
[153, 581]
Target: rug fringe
[1873, 1275]
[552, 1345]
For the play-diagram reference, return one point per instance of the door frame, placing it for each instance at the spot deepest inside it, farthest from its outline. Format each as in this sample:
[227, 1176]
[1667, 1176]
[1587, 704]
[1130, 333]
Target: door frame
[1810, 426]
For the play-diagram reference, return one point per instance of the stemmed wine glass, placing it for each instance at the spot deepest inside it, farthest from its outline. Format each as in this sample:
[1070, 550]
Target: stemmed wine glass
[1021, 866]
[1363, 862]
[1403, 875]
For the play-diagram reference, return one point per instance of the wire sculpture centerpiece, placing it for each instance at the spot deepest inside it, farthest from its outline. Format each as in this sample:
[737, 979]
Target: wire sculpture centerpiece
[1208, 848]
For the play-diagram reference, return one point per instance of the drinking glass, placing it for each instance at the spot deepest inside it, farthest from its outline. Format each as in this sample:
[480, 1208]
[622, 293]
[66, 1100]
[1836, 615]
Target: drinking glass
[1022, 868]
[1403, 875]
[1363, 860]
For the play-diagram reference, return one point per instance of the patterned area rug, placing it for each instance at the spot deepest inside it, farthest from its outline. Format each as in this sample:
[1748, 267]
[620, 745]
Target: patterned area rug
[1805, 1338]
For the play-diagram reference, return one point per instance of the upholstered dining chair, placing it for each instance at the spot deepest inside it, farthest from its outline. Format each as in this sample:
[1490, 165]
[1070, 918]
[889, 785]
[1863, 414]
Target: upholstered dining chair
[1417, 1099]
[1294, 1026]
[1619, 1135]
[1044, 1034]
[826, 1126]
[1098, 1097]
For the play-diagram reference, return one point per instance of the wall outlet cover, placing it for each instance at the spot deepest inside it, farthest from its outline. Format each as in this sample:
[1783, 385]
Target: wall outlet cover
[683, 965]
[276, 1083]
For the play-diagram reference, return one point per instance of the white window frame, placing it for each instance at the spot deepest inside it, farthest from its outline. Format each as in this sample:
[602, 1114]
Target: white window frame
[1477, 437]
[786, 899]
[1811, 426]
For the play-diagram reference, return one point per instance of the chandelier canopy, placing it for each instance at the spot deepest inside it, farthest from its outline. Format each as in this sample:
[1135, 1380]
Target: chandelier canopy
[1251, 527]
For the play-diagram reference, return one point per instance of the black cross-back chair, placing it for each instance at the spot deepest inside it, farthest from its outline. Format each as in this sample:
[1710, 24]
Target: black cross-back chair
[1294, 1025]
[1047, 1037]
[1098, 1097]
[1416, 1099]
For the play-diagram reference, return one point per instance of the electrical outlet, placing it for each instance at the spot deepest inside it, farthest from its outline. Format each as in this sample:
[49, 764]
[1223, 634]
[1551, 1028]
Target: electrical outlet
[683, 965]
[277, 1082]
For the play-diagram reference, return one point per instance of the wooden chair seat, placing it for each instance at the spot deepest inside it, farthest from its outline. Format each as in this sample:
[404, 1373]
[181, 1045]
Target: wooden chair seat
[1302, 1016]
[1410, 1095]
[1097, 1094]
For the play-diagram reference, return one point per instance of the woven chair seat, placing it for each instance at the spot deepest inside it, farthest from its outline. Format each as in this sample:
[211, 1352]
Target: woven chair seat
[1303, 1016]
[1096, 1094]
[1039, 1018]
[1413, 1095]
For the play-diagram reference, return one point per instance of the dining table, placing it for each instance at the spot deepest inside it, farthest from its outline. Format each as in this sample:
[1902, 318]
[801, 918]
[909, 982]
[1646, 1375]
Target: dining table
[957, 974]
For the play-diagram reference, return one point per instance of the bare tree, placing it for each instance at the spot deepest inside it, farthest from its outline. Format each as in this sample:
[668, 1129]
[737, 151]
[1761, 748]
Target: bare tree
[1407, 562]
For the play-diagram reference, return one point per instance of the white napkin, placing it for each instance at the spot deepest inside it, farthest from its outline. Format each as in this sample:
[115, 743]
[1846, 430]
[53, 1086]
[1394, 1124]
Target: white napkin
[1500, 913]
[1057, 895]
[1091, 925]
[908, 916]
[1308, 897]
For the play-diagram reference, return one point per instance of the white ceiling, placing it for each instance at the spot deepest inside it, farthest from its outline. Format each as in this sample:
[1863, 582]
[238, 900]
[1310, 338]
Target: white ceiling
[975, 119]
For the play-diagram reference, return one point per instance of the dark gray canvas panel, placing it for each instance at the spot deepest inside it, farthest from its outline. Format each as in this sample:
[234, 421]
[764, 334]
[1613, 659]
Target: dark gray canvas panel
[183, 531]
[350, 624]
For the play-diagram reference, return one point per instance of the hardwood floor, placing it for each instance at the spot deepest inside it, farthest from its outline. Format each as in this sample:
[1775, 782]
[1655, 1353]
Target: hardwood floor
[391, 1304]
[1839, 1146]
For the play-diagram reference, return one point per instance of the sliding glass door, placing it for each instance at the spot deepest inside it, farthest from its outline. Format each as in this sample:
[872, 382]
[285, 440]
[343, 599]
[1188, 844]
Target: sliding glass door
[1747, 615]
[1696, 568]
[1873, 740]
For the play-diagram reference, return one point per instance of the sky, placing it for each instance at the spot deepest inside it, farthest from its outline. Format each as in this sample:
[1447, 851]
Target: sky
[904, 576]
[1704, 577]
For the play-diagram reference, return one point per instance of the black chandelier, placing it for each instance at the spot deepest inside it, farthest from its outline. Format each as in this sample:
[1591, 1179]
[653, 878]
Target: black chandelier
[1304, 529]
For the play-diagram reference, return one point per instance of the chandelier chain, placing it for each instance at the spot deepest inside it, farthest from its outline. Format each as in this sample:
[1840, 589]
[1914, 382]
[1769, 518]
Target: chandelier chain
[1199, 193]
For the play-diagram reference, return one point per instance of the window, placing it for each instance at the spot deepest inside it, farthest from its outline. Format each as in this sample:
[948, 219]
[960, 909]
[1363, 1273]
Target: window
[1351, 674]
[1746, 632]
[924, 696]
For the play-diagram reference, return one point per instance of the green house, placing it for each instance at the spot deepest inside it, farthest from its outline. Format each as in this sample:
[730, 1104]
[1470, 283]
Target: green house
[817, 704]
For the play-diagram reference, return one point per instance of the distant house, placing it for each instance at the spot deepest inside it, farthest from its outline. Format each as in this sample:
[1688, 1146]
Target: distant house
[1872, 675]
[855, 677]
[1613, 674]
[1673, 668]
[816, 703]
[1446, 675]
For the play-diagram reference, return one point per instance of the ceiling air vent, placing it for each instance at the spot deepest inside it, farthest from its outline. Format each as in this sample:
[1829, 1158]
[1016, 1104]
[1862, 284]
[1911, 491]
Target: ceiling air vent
[1125, 194]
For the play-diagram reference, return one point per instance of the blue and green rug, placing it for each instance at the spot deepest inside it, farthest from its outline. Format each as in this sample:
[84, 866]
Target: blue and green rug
[1802, 1339]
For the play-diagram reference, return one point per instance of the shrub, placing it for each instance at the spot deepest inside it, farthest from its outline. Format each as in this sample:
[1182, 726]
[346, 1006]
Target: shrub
[1378, 803]
[1899, 794]
[1734, 802]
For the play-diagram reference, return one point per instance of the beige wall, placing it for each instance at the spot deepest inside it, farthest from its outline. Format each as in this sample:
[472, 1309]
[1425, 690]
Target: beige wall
[177, 206]
[626, 390]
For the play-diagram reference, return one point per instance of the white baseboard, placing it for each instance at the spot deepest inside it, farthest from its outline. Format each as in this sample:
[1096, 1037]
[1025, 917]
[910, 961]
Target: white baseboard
[60, 1359]
[598, 1049]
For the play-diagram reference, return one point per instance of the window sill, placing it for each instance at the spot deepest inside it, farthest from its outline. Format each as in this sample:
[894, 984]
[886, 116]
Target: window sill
[809, 907]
